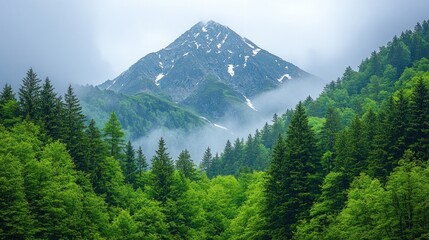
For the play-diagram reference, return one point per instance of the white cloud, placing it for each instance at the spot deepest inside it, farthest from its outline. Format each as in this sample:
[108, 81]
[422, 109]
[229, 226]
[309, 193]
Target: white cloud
[90, 41]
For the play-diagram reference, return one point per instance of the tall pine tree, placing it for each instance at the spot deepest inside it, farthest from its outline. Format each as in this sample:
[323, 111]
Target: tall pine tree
[330, 129]
[114, 136]
[141, 161]
[186, 166]
[419, 121]
[129, 166]
[7, 94]
[206, 162]
[298, 177]
[95, 153]
[50, 114]
[162, 171]
[29, 96]
[9, 107]
[74, 126]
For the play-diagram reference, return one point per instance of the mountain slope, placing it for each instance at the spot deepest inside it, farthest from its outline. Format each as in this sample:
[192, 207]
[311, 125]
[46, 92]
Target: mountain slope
[180, 70]
[139, 113]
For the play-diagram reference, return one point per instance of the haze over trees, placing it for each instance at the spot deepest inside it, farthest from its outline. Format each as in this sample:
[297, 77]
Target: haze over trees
[351, 164]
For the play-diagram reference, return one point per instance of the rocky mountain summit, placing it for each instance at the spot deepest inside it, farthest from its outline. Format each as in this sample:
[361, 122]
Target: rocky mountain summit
[209, 69]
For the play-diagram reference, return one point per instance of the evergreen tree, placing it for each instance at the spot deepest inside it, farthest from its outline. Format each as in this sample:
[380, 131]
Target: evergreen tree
[276, 192]
[162, 171]
[277, 128]
[250, 152]
[49, 113]
[185, 165]
[379, 164]
[74, 126]
[267, 136]
[216, 167]
[351, 153]
[7, 94]
[206, 162]
[370, 127]
[114, 136]
[399, 55]
[95, 153]
[330, 129]
[29, 96]
[397, 125]
[419, 121]
[238, 155]
[9, 107]
[229, 165]
[298, 175]
[141, 161]
[129, 165]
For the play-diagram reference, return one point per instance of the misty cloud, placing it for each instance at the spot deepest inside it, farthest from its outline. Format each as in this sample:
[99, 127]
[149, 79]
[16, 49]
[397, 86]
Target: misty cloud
[55, 38]
[276, 101]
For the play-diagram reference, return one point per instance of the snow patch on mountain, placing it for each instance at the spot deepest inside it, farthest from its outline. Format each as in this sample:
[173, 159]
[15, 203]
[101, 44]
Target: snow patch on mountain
[246, 58]
[284, 76]
[248, 44]
[250, 104]
[220, 126]
[158, 78]
[256, 51]
[231, 70]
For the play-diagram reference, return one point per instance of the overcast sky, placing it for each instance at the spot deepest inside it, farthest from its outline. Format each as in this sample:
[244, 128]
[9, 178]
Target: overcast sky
[85, 41]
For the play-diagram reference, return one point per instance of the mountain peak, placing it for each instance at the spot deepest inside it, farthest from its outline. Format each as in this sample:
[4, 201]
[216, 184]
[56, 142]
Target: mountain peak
[207, 50]
[205, 25]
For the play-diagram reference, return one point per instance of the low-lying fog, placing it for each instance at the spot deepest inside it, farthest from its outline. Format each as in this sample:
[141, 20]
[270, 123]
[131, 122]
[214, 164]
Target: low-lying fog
[276, 101]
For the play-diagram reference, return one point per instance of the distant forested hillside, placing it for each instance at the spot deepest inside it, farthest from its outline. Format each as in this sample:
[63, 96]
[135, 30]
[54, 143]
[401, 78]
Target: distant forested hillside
[139, 114]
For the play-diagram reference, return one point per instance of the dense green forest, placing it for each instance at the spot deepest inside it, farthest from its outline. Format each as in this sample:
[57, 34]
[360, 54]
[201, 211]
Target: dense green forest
[351, 164]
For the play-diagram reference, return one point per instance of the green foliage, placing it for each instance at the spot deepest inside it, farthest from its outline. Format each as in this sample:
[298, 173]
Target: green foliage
[207, 162]
[124, 227]
[249, 221]
[141, 161]
[185, 165]
[129, 166]
[9, 107]
[294, 177]
[162, 171]
[16, 219]
[114, 136]
[138, 114]
[29, 96]
[73, 127]
[51, 111]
